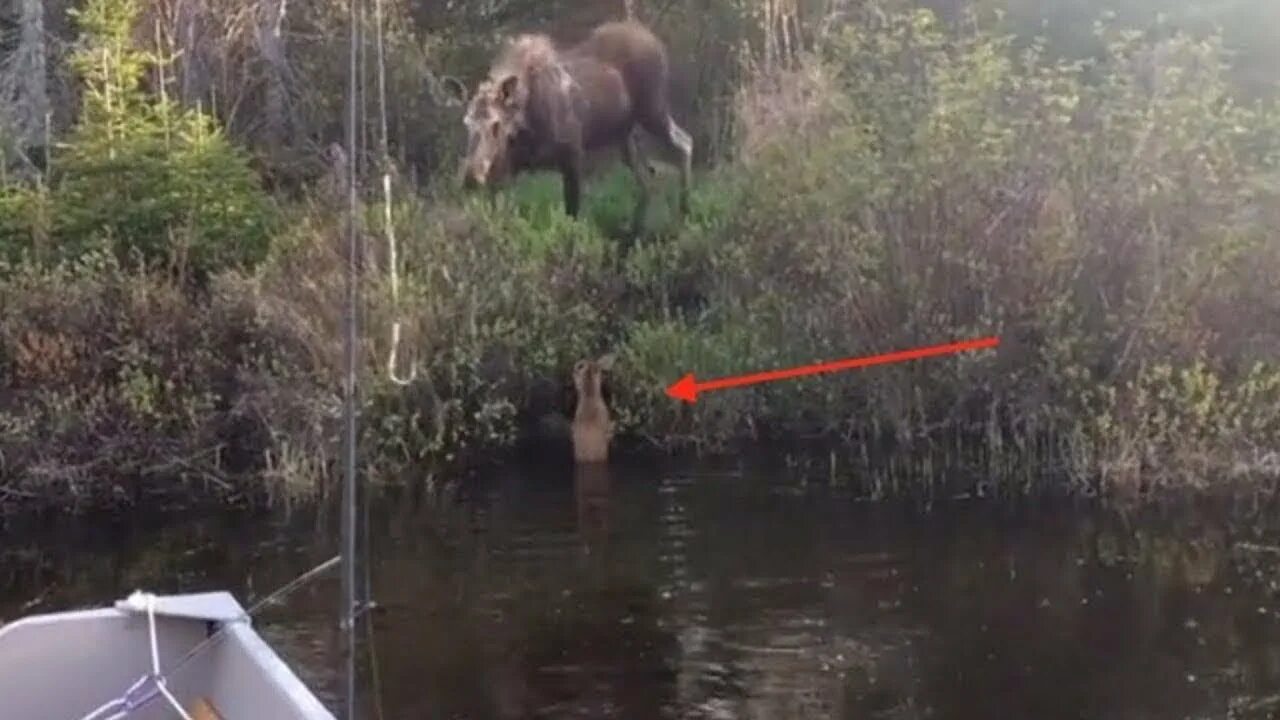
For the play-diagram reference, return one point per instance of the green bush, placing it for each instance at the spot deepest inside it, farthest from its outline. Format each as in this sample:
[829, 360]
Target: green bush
[165, 196]
[907, 187]
[155, 184]
[25, 220]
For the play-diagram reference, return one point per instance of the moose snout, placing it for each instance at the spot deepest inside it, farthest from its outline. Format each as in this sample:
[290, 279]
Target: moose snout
[475, 174]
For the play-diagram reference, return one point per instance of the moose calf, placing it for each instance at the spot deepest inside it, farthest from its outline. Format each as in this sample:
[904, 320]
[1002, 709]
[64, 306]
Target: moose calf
[592, 428]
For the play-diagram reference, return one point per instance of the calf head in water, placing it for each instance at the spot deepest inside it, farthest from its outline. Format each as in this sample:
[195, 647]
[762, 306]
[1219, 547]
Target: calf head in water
[592, 428]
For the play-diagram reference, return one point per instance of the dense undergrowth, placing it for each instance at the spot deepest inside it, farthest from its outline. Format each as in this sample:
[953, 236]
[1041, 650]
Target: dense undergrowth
[1114, 222]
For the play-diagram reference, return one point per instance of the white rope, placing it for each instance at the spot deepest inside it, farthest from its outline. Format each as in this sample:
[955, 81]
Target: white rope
[155, 657]
[125, 705]
[387, 225]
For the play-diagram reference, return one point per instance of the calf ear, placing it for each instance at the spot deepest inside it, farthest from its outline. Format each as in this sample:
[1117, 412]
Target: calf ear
[606, 362]
[454, 91]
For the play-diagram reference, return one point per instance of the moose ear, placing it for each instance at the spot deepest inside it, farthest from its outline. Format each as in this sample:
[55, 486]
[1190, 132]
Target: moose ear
[606, 362]
[507, 88]
[455, 92]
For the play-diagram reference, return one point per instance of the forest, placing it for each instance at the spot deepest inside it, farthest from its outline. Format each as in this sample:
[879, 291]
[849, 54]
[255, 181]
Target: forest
[1098, 183]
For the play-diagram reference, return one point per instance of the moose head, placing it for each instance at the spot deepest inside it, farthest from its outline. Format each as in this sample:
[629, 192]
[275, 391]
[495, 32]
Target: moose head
[494, 118]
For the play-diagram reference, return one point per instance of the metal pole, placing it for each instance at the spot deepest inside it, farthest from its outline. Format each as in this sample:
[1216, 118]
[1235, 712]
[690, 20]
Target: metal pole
[349, 392]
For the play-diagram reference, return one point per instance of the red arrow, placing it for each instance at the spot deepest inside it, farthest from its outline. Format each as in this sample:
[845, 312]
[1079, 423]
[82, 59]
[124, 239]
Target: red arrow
[687, 389]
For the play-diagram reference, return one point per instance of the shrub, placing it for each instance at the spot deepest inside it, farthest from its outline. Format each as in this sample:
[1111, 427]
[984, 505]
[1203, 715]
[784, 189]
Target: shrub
[905, 187]
[120, 388]
[153, 183]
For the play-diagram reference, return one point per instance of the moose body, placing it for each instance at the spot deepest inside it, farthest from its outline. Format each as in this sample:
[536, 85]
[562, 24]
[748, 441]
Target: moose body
[545, 108]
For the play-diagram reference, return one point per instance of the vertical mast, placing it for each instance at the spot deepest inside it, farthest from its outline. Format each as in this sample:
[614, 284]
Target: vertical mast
[349, 392]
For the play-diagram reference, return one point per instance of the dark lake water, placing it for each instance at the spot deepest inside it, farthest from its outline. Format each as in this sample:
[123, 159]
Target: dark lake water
[717, 594]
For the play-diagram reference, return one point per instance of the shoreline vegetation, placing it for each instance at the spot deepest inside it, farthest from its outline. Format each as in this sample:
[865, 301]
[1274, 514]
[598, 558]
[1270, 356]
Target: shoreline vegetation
[170, 330]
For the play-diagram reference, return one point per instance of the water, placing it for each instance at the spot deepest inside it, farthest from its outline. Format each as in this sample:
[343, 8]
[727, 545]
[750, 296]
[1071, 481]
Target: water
[696, 594]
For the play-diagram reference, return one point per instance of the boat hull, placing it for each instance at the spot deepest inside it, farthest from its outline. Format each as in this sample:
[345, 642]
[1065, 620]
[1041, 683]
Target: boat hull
[65, 665]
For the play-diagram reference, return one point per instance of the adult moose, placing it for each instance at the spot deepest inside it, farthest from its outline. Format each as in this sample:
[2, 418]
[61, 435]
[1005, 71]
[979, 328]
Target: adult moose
[542, 107]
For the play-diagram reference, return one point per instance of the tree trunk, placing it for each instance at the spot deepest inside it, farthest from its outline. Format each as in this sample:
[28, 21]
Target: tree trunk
[27, 84]
[271, 46]
[194, 86]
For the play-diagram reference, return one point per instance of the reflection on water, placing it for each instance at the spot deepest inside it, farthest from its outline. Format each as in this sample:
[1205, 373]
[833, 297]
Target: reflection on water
[645, 594]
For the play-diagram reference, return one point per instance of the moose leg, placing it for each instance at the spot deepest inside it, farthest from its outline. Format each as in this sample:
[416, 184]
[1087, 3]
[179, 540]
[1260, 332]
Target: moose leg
[677, 142]
[571, 173]
[631, 156]
[683, 144]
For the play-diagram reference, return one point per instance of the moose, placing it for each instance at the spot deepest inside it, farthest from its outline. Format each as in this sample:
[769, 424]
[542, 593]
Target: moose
[543, 107]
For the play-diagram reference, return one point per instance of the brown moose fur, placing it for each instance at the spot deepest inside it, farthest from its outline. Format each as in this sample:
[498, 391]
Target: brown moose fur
[542, 107]
[592, 428]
